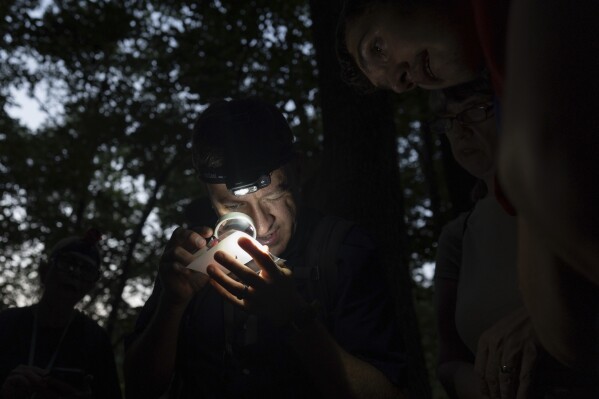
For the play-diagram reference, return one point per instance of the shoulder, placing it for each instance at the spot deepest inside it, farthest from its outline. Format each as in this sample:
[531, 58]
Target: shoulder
[358, 237]
[453, 231]
[11, 315]
[321, 234]
[341, 247]
[449, 248]
[490, 212]
[357, 250]
[343, 235]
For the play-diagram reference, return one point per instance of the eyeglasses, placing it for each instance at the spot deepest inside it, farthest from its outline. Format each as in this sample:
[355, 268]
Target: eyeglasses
[76, 267]
[473, 115]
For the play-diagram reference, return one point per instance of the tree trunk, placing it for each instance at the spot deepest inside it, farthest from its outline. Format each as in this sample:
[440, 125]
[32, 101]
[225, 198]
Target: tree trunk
[427, 163]
[359, 177]
[117, 295]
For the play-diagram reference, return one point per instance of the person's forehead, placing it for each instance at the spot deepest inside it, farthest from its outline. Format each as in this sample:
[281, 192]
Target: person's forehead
[356, 28]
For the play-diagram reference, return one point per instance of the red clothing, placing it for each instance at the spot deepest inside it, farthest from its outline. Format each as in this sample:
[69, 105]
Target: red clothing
[502, 199]
[491, 23]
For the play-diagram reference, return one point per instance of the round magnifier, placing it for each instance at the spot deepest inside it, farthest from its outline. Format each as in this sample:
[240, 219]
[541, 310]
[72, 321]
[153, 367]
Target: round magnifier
[234, 221]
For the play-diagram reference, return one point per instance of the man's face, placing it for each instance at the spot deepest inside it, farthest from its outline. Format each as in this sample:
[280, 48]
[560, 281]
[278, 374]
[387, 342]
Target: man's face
[399, 51]
[474, 146]
[71, 276]
[272, 208]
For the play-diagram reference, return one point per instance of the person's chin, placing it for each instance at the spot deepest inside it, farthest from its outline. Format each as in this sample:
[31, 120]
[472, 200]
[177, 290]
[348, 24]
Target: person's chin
[277, 248]
[271, 240]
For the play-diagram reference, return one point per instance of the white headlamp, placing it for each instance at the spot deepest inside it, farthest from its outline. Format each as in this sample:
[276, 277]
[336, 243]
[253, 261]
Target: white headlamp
[261, 182]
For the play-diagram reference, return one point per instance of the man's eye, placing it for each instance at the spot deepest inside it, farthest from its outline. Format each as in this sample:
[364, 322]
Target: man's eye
[233, 206]
[377, 49]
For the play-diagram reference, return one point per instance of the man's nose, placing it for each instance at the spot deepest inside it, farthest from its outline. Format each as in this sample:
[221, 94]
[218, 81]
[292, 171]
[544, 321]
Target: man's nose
[263, 220]
[461, 130]
[399, 78]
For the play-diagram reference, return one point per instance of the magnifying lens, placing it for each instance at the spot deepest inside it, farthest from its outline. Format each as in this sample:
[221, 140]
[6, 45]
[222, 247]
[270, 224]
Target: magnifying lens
[229, 229]
[234, 221]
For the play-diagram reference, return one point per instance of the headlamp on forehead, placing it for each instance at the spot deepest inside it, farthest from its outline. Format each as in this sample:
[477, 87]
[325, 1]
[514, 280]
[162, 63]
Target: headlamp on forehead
[244, 189]
[240, 143]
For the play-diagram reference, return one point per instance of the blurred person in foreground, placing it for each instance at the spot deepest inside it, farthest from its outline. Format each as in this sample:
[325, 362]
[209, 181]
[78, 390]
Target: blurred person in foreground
[50, 349]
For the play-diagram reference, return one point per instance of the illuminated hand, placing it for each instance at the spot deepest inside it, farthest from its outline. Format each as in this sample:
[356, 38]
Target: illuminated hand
[180, 284]
[270, 293]
[505, 357]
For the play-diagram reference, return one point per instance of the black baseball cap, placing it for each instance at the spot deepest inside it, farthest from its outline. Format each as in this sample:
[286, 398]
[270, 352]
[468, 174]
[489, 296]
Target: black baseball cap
[250, 135]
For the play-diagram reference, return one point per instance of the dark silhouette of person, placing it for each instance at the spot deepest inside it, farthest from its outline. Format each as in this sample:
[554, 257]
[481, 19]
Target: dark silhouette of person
[50, 349]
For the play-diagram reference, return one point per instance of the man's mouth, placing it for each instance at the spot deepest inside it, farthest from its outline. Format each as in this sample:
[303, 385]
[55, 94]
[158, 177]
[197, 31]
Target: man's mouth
[268, 239]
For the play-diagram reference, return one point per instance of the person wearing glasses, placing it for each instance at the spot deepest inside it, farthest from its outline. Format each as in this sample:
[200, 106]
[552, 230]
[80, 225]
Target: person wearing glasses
[476, 276]
[50, 349]
[542, 59]
[488, 347]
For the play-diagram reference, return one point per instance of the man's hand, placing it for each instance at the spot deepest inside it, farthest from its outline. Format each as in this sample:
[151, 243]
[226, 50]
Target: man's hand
[26, 381]
[181, 284]
[22, 382]
[505, 357]
[269, 293]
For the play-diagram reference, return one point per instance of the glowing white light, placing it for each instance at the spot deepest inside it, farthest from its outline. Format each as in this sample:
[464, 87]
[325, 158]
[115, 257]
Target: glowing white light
[245, 190]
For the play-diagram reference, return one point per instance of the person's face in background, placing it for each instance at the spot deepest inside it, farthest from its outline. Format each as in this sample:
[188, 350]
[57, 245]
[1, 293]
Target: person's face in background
[69, 277]
[474, 145]
[399, 50]
[272, 209]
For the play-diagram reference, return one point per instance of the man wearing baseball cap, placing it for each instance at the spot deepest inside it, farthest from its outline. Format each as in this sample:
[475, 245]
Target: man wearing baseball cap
[284, 331]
